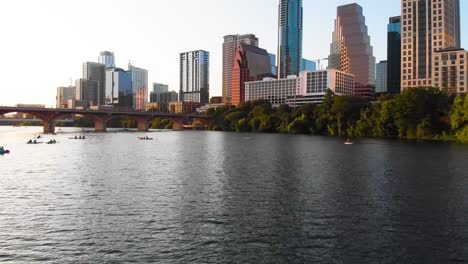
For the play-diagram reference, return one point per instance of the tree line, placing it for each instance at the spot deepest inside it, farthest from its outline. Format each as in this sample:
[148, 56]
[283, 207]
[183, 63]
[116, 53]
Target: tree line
[422, 113]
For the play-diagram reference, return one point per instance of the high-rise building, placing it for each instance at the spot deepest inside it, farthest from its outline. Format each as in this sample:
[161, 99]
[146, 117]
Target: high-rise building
[450, 70]
[381, 77]
[251, 63]
[289, 38]
[427, 26]
[195, 76]
[308, 65]
[162, 100]
[119, 88]
[93, 71]
[139, 87]
[107, 58]
[230, 45]
[159, 88]
[87, 92]
[274, 68]
[64, 95]
[351, 50]
[394, 56]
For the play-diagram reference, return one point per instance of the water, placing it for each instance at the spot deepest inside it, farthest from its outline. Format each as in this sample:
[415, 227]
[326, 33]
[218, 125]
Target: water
[208, 197]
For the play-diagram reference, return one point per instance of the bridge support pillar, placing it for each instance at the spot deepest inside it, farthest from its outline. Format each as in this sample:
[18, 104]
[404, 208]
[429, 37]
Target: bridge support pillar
[49, 126]
[143, 125]
[100, 125]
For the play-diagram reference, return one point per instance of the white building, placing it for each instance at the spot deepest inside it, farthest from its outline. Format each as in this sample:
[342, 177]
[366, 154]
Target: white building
[309, 87]
[195, 76]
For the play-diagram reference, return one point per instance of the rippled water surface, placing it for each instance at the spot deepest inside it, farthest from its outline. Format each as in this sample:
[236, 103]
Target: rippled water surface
[208, 197]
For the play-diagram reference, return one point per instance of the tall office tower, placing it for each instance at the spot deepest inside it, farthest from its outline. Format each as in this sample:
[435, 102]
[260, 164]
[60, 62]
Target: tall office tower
[87, 92]
[139, 87]
[107, 58]
[427, 26]
[64, 95]
[308, 65]
[381, 77]
[394, 56]
[195, 76]
[351, 50]
[229, 52]
[93, 71]
[289, 38]
[250, 64]
[159, 88]
[274, 69]
[119, 88]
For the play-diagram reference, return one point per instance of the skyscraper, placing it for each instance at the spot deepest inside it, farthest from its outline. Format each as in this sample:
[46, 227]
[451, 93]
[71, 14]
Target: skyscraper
[195, 76]
[394, 56]
[87, 92]
[308, 65]
[159, 88]
[250, 64]
[289, 38]
[229, 52]
[107, 58]
[64, 95]
[93, 71]
[119, 88]
[351, 50]
[427, 26]
[139, 87]
[381, 77]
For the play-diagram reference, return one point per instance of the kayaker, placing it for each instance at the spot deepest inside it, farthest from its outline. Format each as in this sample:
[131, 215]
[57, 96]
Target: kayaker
[76, 137]
[30, 141]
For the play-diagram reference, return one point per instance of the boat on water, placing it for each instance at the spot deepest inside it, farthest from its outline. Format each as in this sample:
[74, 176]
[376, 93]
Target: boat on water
[145, 138]
[30, 142]
[52, 142]
[4, 151]
[78, 138]
[348, 142]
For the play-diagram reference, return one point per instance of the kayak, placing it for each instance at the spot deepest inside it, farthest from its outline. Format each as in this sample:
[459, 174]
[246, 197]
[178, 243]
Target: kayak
[78, 138]
[143, 138]
[4, 152]
[51, 143]
[349, 143]
[32, 143]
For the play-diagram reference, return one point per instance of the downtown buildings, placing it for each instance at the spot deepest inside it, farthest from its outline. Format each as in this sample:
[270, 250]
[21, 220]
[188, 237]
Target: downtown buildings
[231, 42]
[393, 56]
[65, 95]
[351, 50]
[289, 38]
[194, 77]
[381, 77]
[427, 28]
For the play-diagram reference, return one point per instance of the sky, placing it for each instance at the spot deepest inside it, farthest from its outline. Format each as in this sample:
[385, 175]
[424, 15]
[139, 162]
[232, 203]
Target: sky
[44, 43]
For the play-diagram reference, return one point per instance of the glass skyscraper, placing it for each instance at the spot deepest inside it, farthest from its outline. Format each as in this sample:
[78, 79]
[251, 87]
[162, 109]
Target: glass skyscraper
[107, 58]
[139, 87]
[394, 56]
[289, 38]
[308, 65]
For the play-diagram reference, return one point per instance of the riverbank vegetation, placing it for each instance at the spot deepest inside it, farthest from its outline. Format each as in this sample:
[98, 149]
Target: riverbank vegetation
[414, 114]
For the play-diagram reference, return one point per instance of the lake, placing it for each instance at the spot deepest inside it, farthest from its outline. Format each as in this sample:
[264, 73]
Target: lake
[214, 197]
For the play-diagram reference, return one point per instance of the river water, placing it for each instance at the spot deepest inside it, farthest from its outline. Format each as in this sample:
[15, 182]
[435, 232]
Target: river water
[210, 197]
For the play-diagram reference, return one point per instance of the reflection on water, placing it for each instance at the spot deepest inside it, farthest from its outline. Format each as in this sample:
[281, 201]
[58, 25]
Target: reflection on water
[207, 197]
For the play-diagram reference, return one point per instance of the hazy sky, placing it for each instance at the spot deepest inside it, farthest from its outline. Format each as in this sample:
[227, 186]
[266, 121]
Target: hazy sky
[44, 42]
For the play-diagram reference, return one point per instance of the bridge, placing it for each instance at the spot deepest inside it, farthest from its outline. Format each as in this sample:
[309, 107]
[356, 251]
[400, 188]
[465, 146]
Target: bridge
[51, 115]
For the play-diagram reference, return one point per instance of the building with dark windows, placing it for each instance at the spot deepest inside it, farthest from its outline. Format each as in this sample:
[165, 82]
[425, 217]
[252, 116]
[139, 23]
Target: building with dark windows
[87, 92]
[231, 42]
[427, 27]
[161, 100]
[250, 64]
[394, 56]
[93, 71]
[195, 76]
[65, 95]
[107, 58]
[119, 88]
[289, 38]
[381, 77]
[351, 50]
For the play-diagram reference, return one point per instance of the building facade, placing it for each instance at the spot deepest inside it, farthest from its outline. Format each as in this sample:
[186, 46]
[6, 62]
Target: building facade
[251, 63]
[308, 65]
[290, 24]
[351, 49]
[139, 87]
[394, 56]
[274, 68]
[275, 91]
[119, 88]
[381, 77]
[427, 27]
[160, 88]
[231, 42]
[194, 77]
[87, 92]
[64, 95]
[107, 58]
[163, 100]
[450, 70]
[93, 71]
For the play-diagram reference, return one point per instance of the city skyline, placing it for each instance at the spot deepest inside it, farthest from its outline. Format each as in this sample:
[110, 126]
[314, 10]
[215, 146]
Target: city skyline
[56, 30]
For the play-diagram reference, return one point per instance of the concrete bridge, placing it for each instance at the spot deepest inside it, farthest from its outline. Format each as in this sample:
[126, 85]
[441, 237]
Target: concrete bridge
[50, 115]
